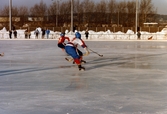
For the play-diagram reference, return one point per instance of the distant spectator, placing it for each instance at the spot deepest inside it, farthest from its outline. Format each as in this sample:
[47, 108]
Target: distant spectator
[86, 34]
[15, 34]
[10, 34]
[47, 33]
[74, 28]
[36, 33]
[29, 34]
[25, 33]
[43, 33]
[138, 35]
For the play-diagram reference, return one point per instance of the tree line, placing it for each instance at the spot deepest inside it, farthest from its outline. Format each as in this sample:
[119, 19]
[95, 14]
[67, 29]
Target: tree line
[88, 12]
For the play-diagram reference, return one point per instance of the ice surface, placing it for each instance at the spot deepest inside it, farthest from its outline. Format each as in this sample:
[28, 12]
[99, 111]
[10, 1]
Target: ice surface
[130, 78]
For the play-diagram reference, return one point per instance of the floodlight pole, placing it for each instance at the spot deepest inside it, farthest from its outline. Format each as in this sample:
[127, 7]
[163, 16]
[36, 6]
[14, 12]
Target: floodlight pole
[118, 19]
[72, 9]
[10, 14]
[57, 13]
[137, 1]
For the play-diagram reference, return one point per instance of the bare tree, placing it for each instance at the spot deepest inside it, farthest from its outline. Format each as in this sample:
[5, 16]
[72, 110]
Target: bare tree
[78, 6]
[53, 8]
[65, 11]
[23, 11]
[101, 6]
[88, 10]
[112, 6]
[5, 11]
[112, 11]
[88, 6]
[16, 11]
[78, 11]
[122, 11]
[39, 9]
[65, 7]
[131, 10]
[101, 10]
[53, 12]
[146, 11]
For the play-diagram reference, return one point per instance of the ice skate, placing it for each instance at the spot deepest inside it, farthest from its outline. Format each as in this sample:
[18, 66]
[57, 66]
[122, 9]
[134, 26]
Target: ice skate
[82, 61]
[81, 68]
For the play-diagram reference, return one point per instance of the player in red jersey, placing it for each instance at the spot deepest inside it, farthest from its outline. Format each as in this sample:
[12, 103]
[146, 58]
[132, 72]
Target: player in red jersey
[61, 42]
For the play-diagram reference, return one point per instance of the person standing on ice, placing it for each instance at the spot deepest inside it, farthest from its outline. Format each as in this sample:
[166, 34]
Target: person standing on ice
[36, 33]
[47, 33]
[15, 34]
[74, 52]
[61, 41]
[10, 34]
[86, 34]
[138, 35]
[43, 33]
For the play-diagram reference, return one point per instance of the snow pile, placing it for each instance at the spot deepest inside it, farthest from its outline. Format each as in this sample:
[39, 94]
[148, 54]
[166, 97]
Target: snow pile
[20, 33]
[4, 33]
[164, 30]
[107, 35]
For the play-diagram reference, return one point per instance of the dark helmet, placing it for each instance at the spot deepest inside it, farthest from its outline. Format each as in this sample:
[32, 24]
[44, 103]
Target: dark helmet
[62, 34]
[78, 35]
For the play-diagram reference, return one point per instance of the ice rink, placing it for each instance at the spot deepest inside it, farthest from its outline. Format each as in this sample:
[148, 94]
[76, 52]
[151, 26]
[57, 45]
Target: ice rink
[130, 78]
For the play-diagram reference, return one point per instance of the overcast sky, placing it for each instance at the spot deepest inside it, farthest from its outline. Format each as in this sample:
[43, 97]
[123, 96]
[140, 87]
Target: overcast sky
[161, 5]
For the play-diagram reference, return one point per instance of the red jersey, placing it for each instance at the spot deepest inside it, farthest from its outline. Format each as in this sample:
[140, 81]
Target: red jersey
[62, 39]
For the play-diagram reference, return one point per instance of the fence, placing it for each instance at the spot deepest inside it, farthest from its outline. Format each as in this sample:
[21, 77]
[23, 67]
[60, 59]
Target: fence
[126, 37]
[92, 36]
[97, 29]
